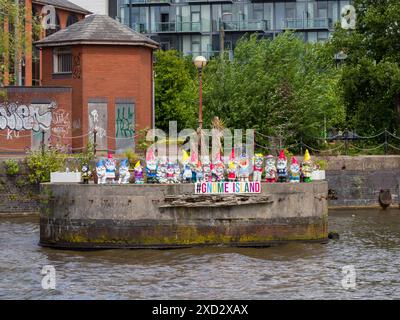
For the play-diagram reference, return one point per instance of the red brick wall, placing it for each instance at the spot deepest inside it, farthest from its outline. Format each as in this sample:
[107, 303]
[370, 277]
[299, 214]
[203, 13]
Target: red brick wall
[12, 142]
[110, 73]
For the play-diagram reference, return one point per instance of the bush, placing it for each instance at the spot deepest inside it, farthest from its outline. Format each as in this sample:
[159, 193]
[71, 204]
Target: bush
[131, 156]
[12, 167]
[41, 165]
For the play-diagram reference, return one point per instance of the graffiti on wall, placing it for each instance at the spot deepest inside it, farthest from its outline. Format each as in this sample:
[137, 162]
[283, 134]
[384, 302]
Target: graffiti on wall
[61, 123]
[124, 126]
[35, 117]
[76, 67]
[98, 121]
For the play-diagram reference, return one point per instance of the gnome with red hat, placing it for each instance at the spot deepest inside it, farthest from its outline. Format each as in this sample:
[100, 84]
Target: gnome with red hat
[294, 171]
[111, 168]
[281, 166]
[151, 167]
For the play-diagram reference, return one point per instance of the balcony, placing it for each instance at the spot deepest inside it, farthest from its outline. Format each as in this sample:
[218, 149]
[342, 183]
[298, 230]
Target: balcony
[246, 25]
[152, 2]
[304, 24]
[209, 54]
[178, 27]
[212, 1]
[140, 28]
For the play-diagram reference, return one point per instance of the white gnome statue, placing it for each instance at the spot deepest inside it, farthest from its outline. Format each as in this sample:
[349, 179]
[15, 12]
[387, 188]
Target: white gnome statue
[124, 174]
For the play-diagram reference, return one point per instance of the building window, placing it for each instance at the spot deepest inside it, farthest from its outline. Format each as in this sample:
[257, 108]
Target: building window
[62, 60]
[72, 18]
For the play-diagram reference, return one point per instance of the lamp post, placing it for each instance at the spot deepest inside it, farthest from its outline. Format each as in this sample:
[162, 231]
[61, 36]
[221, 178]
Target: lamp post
[200, 62]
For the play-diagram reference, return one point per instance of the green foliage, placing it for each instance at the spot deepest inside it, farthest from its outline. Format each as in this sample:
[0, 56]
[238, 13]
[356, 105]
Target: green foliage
[131, 156]
[12, 167]
[370, 82]
[283, 88]
[321, 164]
[41, 165]
[176, 93]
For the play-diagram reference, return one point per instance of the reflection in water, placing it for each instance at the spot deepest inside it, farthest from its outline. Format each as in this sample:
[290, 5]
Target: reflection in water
[369, 240]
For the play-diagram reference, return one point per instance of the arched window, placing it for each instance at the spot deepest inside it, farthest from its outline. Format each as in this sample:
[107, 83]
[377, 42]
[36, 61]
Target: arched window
[72, 18]
[54, 30]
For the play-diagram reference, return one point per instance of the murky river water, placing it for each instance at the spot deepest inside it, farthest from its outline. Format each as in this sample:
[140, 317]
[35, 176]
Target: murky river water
[369, 241]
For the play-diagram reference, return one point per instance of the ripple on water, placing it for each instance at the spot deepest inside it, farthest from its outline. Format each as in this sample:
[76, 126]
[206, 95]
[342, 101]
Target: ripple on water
[369, 240]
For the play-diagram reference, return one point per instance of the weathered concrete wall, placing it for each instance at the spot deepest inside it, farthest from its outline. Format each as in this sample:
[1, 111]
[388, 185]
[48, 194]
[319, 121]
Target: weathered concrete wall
[17, 195]
[357, 181]
[135, 216]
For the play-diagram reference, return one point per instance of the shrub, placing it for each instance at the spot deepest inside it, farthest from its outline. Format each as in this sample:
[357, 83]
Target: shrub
[41, 165]
[12, 167]
[131, 156]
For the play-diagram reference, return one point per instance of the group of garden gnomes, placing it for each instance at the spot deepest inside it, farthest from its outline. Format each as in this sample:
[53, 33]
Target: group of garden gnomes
[192, 170]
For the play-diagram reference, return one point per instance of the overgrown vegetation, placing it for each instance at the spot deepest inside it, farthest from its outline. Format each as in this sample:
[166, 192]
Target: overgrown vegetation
[12, 167]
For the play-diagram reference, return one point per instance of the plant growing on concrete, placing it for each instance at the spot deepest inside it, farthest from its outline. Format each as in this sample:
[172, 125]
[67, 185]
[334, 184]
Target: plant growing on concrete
[321, 164]
[131, 156]
[12, 167]
[40, 164]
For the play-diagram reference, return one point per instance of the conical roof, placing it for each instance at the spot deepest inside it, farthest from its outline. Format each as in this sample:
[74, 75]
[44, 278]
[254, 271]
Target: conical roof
[97, 29]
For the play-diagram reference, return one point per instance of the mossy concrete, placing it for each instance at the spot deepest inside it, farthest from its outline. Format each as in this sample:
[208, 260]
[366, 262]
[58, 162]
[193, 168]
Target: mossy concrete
[135, 216]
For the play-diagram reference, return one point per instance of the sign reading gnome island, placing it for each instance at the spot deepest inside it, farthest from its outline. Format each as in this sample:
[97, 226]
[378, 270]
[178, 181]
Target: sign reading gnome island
[227, 187]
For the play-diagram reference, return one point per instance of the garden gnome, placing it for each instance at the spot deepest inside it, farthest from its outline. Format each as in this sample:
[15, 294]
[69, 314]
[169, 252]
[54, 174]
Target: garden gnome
[232, 171]
[258, 167]
[162, 170]
[193, 165]
[199, 172]
[170, 173]
[124, 174]
[281, 166]
[307, 167]
[138, 172]
[187, 170]
[151, 167]
[86, 173]
[270, 169]
[177, 173]
[218, 169]
[101, 172]
[294, 171]
[244, 169]
[207, 177]
[111, 168]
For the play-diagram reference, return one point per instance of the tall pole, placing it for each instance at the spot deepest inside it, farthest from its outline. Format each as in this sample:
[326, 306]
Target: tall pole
[221, 38]
[28, 42]
[200, 98]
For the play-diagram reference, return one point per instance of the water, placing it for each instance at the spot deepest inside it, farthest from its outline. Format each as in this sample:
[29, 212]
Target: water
[369, 240]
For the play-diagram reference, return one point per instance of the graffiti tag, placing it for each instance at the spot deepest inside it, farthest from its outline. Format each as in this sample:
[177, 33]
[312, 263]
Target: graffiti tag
[35, 117]
[124, 123]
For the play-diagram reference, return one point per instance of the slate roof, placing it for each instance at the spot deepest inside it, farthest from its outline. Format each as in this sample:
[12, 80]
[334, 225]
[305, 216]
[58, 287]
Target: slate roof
[97, 29]
[63, 4]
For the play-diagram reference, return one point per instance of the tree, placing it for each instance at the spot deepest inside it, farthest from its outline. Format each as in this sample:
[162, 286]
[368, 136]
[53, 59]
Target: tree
[176, 92]
[283, 88]
[370, 78]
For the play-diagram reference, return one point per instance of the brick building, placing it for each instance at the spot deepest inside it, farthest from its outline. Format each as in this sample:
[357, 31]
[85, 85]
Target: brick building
[108, 69]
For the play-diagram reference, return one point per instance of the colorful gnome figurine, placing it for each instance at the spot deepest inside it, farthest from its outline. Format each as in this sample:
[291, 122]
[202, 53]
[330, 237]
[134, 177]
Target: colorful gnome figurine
[162, 170]
[86, 173]
[281, 166]
[270, 169]
[207, 176]
[170, 173]
[258, 167]
[187, 169]
[111, 168]
[219, 171]
[151, 167]
[307, 167]
[199, 172]
[138, 172]
[124, 174]
[101, 172]
[232, 171]
[177, 173]
[294, 171]
[193, 163]
[244, 169]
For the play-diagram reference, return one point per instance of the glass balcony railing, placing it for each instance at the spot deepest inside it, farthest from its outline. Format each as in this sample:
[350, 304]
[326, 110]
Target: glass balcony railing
[167, 2]
[178, 27]
[246, 25]
[140, 27]
[318, 23]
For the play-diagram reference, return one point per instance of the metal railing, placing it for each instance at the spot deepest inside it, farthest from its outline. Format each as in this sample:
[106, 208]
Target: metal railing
[152, 2]
[318, 23]
[185, 26]
[210, 54]
[246, 25]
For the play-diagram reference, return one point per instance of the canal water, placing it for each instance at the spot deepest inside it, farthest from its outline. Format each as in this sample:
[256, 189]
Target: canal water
[368, 248]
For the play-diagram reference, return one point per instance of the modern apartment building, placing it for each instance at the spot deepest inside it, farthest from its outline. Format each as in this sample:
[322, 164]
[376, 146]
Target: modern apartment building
[204, 26]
